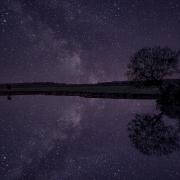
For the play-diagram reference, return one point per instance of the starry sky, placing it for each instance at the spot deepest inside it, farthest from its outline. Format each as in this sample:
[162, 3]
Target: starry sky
[78, 41]
[81, 41]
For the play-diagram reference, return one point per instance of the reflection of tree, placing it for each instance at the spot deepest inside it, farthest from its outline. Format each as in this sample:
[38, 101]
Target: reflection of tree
[150, 135]
[169, 100]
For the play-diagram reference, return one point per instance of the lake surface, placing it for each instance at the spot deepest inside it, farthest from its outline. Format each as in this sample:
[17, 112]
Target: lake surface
[73, 138]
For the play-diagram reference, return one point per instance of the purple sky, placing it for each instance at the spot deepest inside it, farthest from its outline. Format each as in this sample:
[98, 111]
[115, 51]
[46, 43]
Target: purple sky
[78, 41]
[81, 41]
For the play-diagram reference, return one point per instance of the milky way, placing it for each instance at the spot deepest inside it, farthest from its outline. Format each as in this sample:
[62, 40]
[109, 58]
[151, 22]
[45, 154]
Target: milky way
[78, 41]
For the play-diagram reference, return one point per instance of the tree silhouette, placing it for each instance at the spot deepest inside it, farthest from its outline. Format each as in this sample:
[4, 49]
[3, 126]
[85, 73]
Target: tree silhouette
[169, 100]
[152, 64]
[151, 136]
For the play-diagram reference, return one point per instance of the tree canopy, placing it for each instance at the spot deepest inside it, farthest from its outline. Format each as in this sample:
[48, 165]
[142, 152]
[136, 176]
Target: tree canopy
[153, 64]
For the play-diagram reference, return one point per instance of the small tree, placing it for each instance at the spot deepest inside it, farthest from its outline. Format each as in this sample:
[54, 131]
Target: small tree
[153, 64]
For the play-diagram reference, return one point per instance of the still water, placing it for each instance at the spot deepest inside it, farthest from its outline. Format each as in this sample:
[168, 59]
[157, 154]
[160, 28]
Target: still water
[73, 138]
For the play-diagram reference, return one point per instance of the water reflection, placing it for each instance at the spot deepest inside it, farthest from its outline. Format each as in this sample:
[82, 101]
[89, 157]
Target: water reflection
[169, 100]
[151, 136]
[76, 138]
[42, 167]
[149, 133]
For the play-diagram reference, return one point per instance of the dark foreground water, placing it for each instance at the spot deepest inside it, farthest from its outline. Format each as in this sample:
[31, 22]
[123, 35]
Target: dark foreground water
[72, 138]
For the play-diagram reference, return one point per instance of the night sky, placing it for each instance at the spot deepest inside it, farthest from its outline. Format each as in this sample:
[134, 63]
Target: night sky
[81, 41]
[78, 41]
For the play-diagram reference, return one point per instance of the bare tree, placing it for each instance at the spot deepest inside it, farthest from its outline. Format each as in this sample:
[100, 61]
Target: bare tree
[153, 64]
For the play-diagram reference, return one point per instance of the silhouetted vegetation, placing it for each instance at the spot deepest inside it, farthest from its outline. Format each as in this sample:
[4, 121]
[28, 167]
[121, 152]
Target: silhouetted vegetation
[151, 136]
[152, 64]
[169, 100]
[123, 90]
